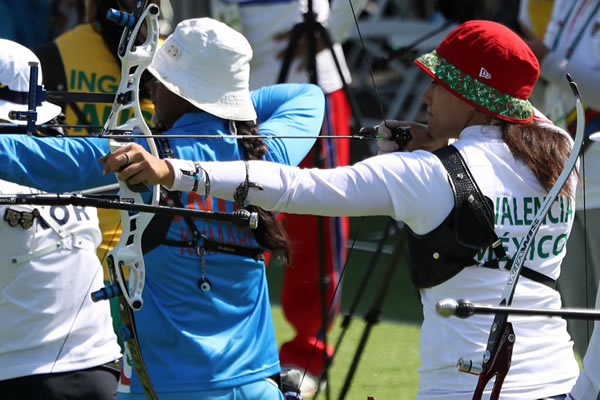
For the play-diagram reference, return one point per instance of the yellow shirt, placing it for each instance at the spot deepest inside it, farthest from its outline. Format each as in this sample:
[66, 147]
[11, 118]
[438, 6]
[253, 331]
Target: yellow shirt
[540, 12]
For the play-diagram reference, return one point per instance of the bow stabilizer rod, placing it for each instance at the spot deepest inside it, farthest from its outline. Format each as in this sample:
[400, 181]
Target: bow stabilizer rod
[464, 309]
[240, 217]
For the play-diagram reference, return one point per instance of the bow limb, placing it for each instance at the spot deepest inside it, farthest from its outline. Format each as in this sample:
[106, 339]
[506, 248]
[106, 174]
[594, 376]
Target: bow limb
[128, 251]
[498, 353]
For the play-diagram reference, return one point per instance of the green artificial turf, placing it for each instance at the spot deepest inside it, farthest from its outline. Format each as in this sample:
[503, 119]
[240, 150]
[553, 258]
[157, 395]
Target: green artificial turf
[388, 366]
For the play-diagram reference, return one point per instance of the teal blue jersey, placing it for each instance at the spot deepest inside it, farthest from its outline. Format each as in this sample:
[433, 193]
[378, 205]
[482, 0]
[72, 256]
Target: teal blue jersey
[191, 340]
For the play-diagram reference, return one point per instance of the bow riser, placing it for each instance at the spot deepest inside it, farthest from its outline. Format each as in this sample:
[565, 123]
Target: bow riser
[128, 250]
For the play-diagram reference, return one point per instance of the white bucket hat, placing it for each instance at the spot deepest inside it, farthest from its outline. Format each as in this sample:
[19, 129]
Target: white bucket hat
[207, 63]
[14, 83]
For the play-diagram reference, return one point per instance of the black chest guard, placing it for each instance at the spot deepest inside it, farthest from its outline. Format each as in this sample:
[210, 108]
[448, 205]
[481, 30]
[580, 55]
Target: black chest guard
[155, 233]
[437, 256]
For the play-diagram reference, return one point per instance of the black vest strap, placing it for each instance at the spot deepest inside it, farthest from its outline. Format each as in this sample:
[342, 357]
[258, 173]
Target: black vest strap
[469, 201]
[211, 245]
[444, 252]
[155, 233]
[463, 188]
[527, 273]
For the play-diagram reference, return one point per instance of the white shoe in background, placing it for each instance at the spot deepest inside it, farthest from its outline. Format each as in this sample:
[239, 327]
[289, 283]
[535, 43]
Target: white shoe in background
[295, 376]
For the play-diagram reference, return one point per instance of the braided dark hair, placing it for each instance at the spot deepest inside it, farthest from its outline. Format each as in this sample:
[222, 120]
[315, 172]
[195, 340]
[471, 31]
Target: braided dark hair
[269, 233]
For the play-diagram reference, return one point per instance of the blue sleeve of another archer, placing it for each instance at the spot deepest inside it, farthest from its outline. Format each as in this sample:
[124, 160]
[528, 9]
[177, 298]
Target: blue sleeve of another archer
[292, 110]
[53, 164]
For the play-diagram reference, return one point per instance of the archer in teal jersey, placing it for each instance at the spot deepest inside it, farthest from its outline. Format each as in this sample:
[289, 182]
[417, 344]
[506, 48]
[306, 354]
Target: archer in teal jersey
[196, 344]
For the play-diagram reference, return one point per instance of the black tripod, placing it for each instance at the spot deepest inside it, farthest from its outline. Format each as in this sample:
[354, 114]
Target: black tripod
[314, 32]
[374, 312]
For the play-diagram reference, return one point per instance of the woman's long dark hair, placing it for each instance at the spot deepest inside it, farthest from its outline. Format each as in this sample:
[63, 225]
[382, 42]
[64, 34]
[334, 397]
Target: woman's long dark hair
[543, 150]
[269, 234]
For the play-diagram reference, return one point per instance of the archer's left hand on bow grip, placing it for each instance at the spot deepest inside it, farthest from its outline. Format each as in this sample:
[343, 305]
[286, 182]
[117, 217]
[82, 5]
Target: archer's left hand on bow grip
[136, 187]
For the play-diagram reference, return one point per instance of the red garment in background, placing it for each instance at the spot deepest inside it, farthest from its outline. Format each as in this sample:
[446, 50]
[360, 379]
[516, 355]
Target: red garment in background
[301, 294]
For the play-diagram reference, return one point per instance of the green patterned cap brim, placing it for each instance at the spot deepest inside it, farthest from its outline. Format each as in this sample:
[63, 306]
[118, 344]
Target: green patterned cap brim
[479, 94]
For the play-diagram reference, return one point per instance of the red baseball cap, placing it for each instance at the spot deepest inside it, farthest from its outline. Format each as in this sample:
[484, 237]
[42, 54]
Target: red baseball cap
[487, 65]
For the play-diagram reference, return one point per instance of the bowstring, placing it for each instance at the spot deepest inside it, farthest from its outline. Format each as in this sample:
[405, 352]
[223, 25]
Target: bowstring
[89, 289]
[326, 318]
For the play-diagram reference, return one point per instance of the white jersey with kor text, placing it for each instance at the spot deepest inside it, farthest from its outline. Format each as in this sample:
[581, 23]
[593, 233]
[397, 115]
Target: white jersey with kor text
[48, 270]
